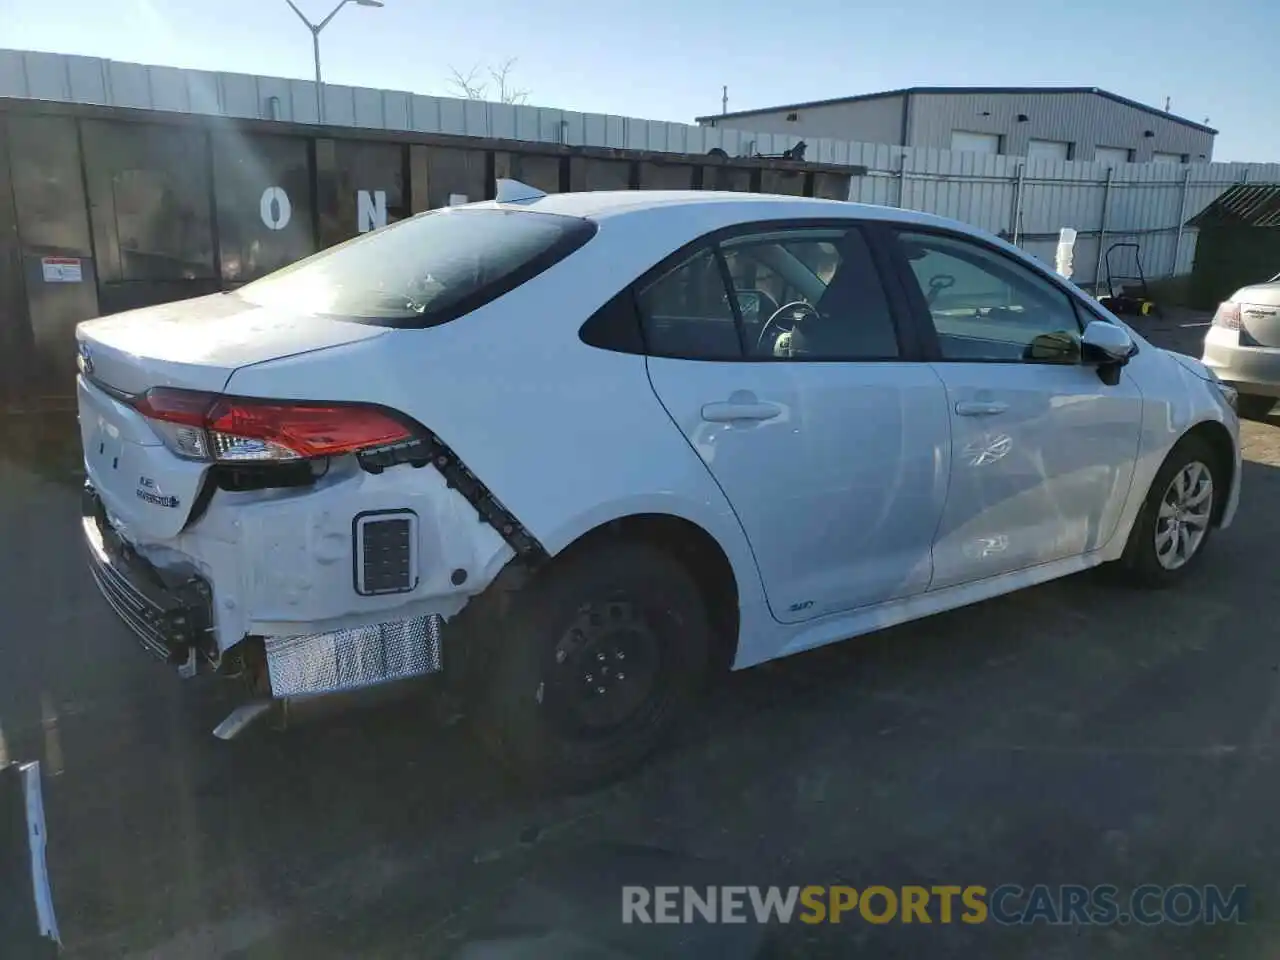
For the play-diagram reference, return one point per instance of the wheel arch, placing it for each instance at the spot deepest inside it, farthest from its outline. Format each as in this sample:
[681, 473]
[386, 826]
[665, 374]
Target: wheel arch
[701, 554]
[1218, 438]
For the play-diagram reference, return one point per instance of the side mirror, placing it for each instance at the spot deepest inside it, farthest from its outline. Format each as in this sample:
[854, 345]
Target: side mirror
[1109, 346]
[1106, 343]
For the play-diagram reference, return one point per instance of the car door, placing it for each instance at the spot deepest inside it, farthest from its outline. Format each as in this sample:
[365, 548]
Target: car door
[775, 351]
[1042, 451]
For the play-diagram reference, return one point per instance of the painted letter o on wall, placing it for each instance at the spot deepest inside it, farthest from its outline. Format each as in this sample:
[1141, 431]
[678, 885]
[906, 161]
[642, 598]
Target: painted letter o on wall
[275, 208]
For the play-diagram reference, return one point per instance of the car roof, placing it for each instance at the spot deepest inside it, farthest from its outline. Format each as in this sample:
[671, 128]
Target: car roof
[601, 204]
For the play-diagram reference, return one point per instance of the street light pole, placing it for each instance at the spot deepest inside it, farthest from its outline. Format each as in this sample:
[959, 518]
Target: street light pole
[315, 43]
[315, 29]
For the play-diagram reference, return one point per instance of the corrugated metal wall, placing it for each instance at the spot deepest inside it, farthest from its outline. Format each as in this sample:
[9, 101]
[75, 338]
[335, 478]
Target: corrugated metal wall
[104, 209]
[72, 79]
[1145, 202]
[876, 120]
[1084, 120]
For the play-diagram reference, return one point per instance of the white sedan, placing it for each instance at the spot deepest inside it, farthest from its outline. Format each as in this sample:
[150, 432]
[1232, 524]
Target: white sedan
[578, 452]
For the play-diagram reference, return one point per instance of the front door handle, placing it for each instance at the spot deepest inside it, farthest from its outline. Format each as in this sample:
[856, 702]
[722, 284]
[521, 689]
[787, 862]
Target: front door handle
[727, 411]
[980, 408]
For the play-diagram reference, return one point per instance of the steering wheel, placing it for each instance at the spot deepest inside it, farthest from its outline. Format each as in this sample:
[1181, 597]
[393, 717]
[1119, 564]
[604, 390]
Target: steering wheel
[938, 283]
[797, 307]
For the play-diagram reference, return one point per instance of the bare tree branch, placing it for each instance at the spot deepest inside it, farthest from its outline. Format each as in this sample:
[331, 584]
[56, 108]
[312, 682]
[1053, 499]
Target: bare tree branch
[467, 85]
[470, 86]
[507, 93]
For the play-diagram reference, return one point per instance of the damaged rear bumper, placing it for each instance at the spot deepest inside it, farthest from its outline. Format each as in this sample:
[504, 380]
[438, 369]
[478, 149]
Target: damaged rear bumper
[170, 616]
[171, 610]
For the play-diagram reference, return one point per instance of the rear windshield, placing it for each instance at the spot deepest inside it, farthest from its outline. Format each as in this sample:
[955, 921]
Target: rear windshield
[425, 270]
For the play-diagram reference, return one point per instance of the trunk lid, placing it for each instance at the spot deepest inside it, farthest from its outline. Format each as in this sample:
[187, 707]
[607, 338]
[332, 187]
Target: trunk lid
[147, 490]
[199, 343]
[1259, 314]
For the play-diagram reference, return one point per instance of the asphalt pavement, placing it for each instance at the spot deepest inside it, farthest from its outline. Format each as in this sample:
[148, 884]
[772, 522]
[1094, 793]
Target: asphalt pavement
[1071, 733]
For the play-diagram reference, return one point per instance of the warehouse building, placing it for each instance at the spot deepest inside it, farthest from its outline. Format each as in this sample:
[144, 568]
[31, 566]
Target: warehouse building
[1065, 123]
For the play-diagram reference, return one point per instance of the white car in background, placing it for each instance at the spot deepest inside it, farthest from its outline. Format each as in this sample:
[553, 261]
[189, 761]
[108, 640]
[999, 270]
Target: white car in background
[577, 452]
[1243, 346]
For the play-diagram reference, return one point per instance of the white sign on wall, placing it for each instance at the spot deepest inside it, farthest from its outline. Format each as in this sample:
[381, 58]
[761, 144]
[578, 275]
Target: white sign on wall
[371, 210]
[275, 208]
[61, 269]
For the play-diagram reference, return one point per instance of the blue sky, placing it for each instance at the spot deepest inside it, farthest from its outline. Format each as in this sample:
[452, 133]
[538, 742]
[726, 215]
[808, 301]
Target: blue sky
[666, 59]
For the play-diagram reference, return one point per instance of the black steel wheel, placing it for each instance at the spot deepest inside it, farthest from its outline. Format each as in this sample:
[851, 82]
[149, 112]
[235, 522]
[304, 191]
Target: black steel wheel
[599, 657]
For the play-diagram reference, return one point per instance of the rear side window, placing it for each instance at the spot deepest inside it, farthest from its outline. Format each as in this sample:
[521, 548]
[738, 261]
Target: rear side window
[686, 312]
[615, 326]
[425, 270]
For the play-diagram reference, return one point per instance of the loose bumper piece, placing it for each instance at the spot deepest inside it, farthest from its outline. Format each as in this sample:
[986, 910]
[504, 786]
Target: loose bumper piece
[350, 659]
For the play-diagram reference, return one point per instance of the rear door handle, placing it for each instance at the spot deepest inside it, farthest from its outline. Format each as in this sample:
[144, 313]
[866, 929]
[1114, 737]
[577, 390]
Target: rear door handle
[980, 408]
[731, 412]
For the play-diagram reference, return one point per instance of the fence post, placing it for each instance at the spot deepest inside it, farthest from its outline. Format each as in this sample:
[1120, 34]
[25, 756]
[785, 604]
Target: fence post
[1182, 216]
[1018, 189]
[902, 179]
[1102, 232]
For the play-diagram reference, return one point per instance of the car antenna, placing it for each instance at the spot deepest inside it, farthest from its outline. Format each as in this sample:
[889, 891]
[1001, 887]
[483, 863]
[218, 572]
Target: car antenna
[513, 191]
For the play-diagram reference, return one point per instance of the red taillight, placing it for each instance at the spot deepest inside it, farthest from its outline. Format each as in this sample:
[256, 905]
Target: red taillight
[307, 430]
[1228, 315]
[206, 426]
[175, 406]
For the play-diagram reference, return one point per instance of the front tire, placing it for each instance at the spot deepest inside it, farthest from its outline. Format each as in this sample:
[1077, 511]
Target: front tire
[1171, 531]
[1254, 407]
[599, 657]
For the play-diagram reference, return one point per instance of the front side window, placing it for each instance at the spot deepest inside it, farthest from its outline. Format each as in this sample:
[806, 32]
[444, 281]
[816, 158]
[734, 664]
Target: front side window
[986, 306]
[424, 270]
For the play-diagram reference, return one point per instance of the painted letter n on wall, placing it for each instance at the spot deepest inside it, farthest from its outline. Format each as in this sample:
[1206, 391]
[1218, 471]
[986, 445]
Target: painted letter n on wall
[371, 210]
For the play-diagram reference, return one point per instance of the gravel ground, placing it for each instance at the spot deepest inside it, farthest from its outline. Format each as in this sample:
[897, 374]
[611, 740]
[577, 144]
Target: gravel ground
[1072, 733]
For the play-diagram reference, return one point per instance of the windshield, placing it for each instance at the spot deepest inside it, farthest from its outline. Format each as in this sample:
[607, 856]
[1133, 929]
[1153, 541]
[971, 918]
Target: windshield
[424, 270]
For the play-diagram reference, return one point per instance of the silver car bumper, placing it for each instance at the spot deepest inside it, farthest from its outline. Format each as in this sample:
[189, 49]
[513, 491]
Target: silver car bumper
[1251, 370]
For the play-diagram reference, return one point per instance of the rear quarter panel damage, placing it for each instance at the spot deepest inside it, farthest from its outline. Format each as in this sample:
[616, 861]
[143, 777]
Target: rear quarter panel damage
[566, 436]
[282, 561]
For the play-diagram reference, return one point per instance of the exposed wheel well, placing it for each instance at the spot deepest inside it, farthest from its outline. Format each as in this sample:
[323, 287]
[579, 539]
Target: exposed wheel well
[1219, 440]
[700, 554]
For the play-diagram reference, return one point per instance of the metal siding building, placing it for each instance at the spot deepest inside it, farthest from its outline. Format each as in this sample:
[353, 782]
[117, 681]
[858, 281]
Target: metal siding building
[868, 120]
[1079, 120]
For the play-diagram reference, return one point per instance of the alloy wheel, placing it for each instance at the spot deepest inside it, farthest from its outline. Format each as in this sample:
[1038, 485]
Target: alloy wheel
[1183, 518]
